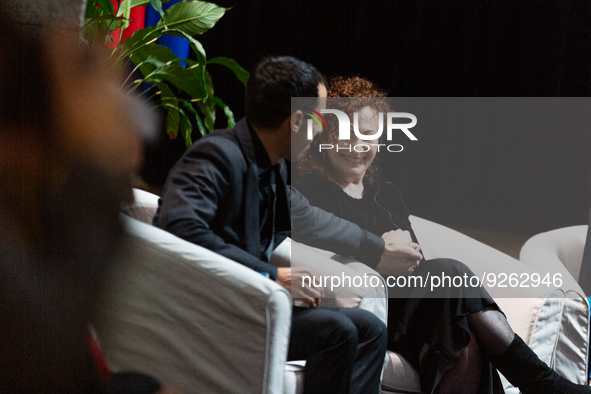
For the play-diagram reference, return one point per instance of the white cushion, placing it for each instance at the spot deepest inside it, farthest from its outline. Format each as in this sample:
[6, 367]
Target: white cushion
[192, 318]
[143, 208]
[294, 377]
[561, 246]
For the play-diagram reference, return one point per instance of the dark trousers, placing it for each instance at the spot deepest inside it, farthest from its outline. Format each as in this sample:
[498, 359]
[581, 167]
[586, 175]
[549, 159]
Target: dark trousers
[344, 349]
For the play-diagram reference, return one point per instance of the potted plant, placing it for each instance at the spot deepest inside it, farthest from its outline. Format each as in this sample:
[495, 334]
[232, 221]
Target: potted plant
[183, 87]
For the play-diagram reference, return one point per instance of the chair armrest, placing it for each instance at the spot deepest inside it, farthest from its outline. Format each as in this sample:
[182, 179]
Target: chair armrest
[192, 318]
[367, 291]
[440, 241]
[375, 299]
[143, 207]
[563, 246]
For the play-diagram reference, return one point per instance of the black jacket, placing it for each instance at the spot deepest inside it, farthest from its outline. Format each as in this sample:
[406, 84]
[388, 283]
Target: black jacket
[211, 199]
[382, 209]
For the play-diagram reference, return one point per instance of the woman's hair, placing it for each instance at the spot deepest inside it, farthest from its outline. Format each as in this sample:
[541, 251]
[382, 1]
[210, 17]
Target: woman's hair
[361, 93]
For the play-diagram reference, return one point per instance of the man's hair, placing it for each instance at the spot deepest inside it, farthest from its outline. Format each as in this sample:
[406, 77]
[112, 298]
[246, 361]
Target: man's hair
[272, 84]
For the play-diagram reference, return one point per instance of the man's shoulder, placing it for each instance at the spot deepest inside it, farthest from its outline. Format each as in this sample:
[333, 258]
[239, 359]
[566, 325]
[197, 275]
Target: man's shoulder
[218, 145]
[223, 137]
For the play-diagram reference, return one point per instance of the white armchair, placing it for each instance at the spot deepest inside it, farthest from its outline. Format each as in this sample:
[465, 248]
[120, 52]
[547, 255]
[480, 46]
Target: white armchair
[207, 324]
[192, 318]
[196, 320]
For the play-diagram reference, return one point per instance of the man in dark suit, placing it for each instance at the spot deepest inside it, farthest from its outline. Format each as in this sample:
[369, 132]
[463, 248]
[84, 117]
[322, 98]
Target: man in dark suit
[230, 193]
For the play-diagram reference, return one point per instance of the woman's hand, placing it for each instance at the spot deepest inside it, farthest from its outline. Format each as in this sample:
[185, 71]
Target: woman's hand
[401, 255]
[309, 294]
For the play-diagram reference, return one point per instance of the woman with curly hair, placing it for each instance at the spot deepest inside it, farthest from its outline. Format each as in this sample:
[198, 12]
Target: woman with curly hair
[451, 340]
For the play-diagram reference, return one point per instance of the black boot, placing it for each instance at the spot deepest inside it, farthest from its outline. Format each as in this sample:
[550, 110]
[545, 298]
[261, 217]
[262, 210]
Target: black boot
[522, 367]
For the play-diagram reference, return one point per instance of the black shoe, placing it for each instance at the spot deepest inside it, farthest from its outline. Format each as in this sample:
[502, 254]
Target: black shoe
[522, 367]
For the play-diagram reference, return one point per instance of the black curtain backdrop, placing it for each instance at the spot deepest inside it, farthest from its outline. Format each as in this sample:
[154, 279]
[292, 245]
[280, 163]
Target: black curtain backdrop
[502, 180]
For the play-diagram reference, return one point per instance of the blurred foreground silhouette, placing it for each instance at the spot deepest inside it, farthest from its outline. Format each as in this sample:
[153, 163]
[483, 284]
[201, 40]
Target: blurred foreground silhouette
[69, 143]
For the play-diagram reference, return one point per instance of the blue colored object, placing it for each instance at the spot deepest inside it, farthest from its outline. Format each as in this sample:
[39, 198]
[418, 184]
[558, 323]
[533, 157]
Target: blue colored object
[178, 45]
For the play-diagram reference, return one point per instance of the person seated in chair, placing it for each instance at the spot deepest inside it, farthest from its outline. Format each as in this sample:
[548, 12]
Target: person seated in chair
[229, 193]
[453, 339]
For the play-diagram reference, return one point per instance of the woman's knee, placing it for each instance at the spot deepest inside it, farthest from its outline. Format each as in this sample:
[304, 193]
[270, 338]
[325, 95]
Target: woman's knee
[447, 266]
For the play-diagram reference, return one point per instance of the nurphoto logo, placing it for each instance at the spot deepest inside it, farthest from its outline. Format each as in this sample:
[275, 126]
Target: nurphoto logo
[366, 140]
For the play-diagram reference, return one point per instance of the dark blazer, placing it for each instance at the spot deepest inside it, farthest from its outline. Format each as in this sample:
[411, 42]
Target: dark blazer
[381, 210]
[211, 198]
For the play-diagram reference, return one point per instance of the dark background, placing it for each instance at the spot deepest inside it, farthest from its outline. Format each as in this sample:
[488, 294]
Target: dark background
[519, 181]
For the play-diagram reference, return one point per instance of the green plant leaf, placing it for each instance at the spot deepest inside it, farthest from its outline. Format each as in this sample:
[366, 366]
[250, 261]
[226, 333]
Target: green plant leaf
[157, 63]
[139, 39]
[115, 25]
[132, 3]
[149, 58]
[202, 129]
[157, 6]
[191, 62]
[162, 53]
[139, 3]
[90, 9]
[195, 45]
[126, 5]
[187, 80]
[142, 36]
[227, 111]
[100, 18]
[233, 65]
[192, 17]
[101, 25]
[169, 101]
[208, 84]
[147, 67]
[208, 111]
[191, 108]
[181, 78]
[99, 7]
[149, 35]
[186, 128]
[103, 19]
[198, 69]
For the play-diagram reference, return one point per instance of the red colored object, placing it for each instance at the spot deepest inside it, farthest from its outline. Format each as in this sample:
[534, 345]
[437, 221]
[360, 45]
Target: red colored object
[138, 21]
[99, 360]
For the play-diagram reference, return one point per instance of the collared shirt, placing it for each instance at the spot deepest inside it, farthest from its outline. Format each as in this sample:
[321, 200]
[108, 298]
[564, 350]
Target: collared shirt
[270, 179]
